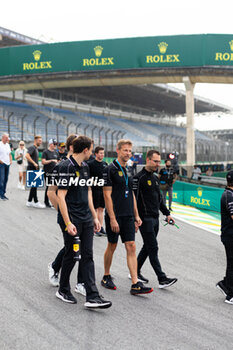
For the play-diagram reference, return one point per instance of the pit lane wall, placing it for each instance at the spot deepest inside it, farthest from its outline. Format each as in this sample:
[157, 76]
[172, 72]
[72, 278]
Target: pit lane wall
[202, 197]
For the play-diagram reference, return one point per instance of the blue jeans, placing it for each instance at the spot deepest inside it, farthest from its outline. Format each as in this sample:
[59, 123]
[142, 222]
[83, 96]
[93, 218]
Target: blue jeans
[4, 172]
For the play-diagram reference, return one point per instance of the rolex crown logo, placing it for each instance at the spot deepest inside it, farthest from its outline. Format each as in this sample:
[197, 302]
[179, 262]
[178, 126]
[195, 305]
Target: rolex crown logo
[37, 55]
[199, 191]
[163, 47]
[231, 45]
[98, 51]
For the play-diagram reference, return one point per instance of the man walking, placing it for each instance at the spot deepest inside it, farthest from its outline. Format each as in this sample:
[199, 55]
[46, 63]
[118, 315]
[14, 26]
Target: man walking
[77, 218]
[121, 216]
[167, 178]
[49, 159]
[55, 266]
[226, 285]
[97, 167]
[149, 201]
[32, 156]
[5, 162]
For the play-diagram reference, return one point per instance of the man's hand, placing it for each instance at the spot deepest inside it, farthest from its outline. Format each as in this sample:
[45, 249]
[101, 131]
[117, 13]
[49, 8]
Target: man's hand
[114, 226]
[170, 218]
[97, 226]
[138, 223]
[71, 229]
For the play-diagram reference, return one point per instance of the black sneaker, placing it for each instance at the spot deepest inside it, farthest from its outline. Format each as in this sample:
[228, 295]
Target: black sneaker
[66, 297]
[98, 234]
[167, 282]
[139, 288]
[107, 282]
[170, 209]
[229, 299]
[103, 231]
[222, 287]
[98, 303]
[140, 278]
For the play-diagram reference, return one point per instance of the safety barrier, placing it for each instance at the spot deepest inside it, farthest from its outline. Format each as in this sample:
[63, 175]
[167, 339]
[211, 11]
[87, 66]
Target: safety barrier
[203, 197]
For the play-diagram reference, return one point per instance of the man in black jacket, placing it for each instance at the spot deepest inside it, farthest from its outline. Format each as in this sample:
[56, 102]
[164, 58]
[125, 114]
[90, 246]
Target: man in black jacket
[226, 285]
[149, 201]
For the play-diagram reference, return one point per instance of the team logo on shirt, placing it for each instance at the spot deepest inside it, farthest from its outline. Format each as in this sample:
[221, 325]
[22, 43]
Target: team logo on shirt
[77, 173]
[149, 182]
[120, 173]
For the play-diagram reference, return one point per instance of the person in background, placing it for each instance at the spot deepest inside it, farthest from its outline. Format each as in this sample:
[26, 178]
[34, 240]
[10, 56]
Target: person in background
[209, 172]
[20, 157]
[32, 157]
[5, 162]
[96, 167]
[49, 161]
[196, 173]
[167, 177]
[226, 285]
[62, 154]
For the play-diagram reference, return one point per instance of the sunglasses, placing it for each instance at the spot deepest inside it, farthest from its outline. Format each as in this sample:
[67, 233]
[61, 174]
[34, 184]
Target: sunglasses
[156, 161]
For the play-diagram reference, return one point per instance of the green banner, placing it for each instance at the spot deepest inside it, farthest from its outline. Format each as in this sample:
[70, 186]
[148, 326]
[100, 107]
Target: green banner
[118, 54]
[203, 197]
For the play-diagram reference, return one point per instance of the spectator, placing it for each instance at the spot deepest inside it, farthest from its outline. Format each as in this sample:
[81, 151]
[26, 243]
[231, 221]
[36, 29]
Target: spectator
[32, 156]
[20, 154]
[196, 173]
[167, 177]
[62, 154]
[209, 172]
[49, 160]
[5, 162]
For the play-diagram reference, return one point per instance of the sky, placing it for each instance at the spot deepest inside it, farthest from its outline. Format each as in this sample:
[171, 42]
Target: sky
[75, 20]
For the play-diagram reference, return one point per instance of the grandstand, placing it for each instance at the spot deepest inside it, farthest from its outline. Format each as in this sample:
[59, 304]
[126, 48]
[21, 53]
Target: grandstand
[146, 114]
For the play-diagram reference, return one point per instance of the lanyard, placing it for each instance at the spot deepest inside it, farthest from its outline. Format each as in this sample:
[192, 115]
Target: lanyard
[125, 176]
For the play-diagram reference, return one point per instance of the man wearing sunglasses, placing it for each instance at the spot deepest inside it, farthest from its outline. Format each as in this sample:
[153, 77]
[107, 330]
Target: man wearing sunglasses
[149, 202]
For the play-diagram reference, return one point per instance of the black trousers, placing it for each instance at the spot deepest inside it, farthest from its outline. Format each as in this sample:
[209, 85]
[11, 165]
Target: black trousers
[86, 233]
[229, 268]
[57, 264]
[149, 231]
[33, 195]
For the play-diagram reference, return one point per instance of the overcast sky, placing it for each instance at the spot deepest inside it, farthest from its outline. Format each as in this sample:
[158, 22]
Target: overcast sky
[75, 20]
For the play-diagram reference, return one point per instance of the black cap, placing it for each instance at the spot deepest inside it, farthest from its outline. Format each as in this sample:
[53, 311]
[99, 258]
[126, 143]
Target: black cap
[229, 176]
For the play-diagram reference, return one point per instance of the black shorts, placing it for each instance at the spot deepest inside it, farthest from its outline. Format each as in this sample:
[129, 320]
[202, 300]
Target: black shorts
[98, 199]
[127, 229]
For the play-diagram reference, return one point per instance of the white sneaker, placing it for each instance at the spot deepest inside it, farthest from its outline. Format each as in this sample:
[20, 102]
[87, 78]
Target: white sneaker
[29, 204]
[38, 205]
[53, 277]
[80, 289]
[22, 187]
[19, 186]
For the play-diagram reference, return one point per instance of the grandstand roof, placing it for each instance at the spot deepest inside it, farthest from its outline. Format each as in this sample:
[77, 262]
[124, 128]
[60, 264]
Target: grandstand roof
[157, 98]
[11, 38]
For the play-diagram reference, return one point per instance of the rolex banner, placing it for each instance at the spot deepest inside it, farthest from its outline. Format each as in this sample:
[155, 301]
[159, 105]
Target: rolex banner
[119, 54]
[203, 197]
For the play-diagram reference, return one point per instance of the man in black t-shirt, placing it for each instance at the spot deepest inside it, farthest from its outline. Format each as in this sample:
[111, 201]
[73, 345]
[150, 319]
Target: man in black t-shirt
[167, 178]
[49, 160]
[96, 167]
[32, 156]
[121, 216]
[149, 201]
[226, 285]
[78, 217]
[62, 153]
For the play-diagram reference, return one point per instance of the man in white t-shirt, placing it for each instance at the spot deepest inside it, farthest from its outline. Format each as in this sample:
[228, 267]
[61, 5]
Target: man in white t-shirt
[5, 162]
[196, 173]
